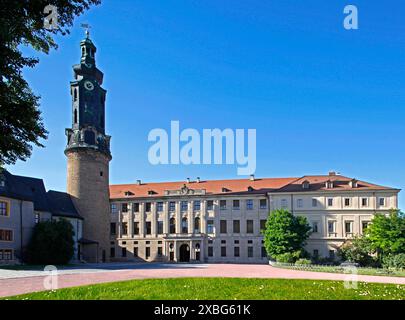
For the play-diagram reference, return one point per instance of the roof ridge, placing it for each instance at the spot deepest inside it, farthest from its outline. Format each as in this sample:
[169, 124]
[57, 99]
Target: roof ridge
[202, 181]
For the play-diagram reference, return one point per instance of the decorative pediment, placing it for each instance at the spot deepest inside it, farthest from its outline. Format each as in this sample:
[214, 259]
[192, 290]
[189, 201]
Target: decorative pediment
[184, 191]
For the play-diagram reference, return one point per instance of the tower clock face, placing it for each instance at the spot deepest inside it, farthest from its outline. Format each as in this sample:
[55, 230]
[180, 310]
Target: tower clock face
[88, 85]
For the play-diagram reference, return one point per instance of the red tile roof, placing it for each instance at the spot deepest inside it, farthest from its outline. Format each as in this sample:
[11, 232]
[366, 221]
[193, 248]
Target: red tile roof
[238, 186]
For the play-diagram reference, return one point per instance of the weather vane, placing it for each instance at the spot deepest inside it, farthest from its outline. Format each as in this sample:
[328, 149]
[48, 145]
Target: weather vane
[87, 27]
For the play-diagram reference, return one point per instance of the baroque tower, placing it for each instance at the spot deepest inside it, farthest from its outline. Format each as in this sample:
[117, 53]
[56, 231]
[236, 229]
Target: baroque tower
[88, 153]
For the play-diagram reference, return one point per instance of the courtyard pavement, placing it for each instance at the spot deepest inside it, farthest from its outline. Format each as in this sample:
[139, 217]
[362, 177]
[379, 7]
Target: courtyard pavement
[14, 282]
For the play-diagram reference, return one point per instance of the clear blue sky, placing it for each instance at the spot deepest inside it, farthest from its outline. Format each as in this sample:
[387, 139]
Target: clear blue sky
[321, 97]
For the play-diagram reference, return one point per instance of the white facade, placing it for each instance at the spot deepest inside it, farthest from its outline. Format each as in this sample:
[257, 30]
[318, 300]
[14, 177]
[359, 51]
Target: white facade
[145, 234]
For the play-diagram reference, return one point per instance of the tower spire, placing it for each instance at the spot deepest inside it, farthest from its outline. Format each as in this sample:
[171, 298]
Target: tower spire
[87, 27]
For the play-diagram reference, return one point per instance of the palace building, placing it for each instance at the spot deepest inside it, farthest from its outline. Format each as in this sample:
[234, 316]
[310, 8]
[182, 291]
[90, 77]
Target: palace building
[185, 221]
[222, 220]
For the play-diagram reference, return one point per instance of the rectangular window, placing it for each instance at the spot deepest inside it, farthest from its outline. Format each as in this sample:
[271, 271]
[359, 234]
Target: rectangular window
[364, 202]
[147, 252]
[210, 251]
[136, 228]
[6, 235]
[124, 207]
[300, 203]
[113, 208]
[210, 205]
[6, 254]
[381, 202]
[314, 202]
[223, 226]
[210, 226]
[315, 253]
[364, 225]
[197, 205]
[263, 203]
[148, 227]
[236, 252]
[172, 206]
[330, 202]
[236, 204]
[347, 202]
[3, 208]
[349, 226]
[112, 252]
[124, 228]
[160, 251]
[184, 206]
[222, 204]
[332, 254]
[249, 226]
[136, 207]
[124, 252]
[249, 204]
[160, 207]
[236, 226]
[331, 226]
[315, 227]
[284, 203]
[113, 229]
[264, 252]
[135, 251]
[223, 251]
[250, 252]
[263, 224]
[160, 227]
[37, 218]
[148, 207]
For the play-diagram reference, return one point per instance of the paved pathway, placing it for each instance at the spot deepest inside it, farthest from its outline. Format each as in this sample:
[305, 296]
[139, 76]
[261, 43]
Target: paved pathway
[19, 282]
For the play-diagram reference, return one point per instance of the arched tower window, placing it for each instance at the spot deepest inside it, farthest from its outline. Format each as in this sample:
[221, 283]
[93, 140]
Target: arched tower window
[75, 116]
[75, 94]
[83, 51]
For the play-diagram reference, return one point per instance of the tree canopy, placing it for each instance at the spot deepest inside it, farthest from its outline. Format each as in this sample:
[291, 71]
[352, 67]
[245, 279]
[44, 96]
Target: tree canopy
[22, 24]
[387, 233]
[285, 233]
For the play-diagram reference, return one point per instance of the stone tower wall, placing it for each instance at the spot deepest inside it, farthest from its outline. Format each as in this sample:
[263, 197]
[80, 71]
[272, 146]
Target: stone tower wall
[88, 185]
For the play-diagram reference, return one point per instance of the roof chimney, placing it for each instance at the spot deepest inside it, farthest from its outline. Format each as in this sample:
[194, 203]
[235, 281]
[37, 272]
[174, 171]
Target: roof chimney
[138, 182]
[198, 180]
[252, 177]
[188, 180]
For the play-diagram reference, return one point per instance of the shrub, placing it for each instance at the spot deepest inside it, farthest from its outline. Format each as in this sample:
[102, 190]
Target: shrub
[394, 261]
[303, 261]
[51, 243]
[289, 257]
[357, 250]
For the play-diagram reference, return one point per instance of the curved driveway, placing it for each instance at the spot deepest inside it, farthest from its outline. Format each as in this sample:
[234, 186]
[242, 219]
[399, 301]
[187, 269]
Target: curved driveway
[19, 282]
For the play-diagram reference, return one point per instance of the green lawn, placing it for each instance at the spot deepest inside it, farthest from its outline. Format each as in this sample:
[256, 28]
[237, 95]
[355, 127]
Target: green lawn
[223, 288]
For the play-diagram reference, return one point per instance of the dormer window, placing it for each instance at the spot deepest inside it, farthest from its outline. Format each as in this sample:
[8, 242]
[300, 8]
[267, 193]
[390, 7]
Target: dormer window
[128, 193]
[305, 185]
[225, 190]
[329, 184]
[353, 183]
[151, 192]
[250, 189]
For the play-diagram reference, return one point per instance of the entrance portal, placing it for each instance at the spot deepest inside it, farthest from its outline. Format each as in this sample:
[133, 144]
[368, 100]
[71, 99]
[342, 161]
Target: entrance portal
[184, 253]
